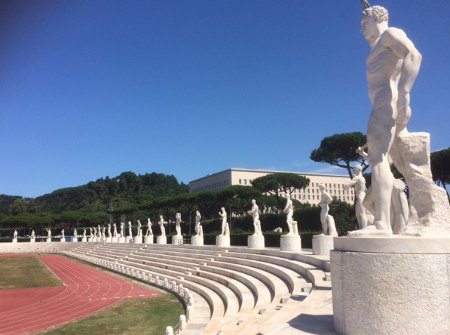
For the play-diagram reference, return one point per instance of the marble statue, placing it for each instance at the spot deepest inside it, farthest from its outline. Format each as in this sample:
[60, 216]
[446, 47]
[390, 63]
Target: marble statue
[114, 230]
[161, 225]
[15, 234]
[33, 234]
[359, 184]
[95, 232]
[90, 232]
[225, 226]
[122, 232]
[254, 212]
[198, 226]
[328, 225]
[392, 67]
[139, 228]
[62, 233]
[178, 224]
[84, 233]
[103, 234]
[99, 236]
[130, 233]
[49, 232]
[289, 210]
[149, 231]
[75, 233]
[109, 230]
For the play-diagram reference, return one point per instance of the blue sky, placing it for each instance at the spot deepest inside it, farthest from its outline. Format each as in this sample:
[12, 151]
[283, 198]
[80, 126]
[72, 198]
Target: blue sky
[90, 89]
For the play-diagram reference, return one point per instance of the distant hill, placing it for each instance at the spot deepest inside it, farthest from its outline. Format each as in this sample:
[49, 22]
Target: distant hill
[104, 194]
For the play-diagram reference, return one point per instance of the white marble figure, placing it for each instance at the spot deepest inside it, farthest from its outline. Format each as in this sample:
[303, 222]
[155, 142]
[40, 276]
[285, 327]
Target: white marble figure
[198, 226]
[225, 226]
[95, 232]
[109, 230]
[103, 235]
[75, 234]
[114, 230]
[122, 232]
[161, 225]
[15, 234]
[254, 212]
[84, 233]
[178, 224]
[49, 232]
[139, 228]
[130, 232]
[62, 233]
[149, 231]
[99, 232]
[289, 210]
[90, 232]
[359, 184]
[33, 234]
[328, 225]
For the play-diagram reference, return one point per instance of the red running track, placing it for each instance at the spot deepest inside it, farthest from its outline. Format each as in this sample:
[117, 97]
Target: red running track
[85, 291]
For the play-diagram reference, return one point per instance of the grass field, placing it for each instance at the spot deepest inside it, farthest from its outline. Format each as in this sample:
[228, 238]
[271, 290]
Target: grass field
[25, 272]
[142, 316]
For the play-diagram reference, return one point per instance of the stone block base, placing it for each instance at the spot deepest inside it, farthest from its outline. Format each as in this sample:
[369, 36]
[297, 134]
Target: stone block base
[63, 239]
[32, 240]
[223, 241]
[74, 239]
[148, 239]
[256, 242]
[322, 244]
[48, 240]
[177, 240]
[14, 240]
[391, 285]
[122, 239]
[84, 239]
[108, 240]
[161, 240]
[137, 240]
[291, 243]
[197, 240]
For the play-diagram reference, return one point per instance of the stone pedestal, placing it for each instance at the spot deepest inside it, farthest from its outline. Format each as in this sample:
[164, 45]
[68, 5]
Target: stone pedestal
[137, 240]
[90, 239]
[256, 242]
[161, 240]
[84, 239]
[63, 239]
[74, 239]
[14, 240]
[48, 240]
[177, 240]
[32, 240]
[322, 244]
[121, 239]
[108, 240]
[148, 239]
[128, 239]
[197, 240]
[223, 241]
[391, 285]
[291, 243]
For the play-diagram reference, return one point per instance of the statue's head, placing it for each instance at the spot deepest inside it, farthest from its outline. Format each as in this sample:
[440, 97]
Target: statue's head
[378, 13]
[321, 187]
[357, 169]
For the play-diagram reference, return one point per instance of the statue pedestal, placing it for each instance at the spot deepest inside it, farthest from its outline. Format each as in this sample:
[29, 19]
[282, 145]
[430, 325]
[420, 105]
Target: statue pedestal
[63, 239]
[197, 240]
[115, 239]
[322, 244]
[291, 243]
[108, 240]
[32, 240]
[74, 239]
[256, 242]
[391, 285]
[137, 239]
[223, 241]
[128, 239]
[161, 240]
[48, 240]
[121, 239]
[84, 239]
[148, 239]
[14, 240]
[90, 239]
[177, 239]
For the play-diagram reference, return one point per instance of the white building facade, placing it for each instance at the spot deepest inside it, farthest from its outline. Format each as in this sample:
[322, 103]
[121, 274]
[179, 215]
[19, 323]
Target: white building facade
[334, 184]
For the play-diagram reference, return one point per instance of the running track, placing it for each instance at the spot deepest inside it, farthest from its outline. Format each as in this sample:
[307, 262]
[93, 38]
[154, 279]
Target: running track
[85, 291]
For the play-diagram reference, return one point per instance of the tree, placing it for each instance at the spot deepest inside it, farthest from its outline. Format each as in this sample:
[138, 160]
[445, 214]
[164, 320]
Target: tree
[276, 183]
[340, 150]
[440, 167]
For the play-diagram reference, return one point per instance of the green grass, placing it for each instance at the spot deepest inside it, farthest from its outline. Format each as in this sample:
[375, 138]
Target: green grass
[141, 316]
[25, 273]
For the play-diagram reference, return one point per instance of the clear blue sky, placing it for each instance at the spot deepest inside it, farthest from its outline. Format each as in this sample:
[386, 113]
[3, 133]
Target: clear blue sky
[92, 88]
